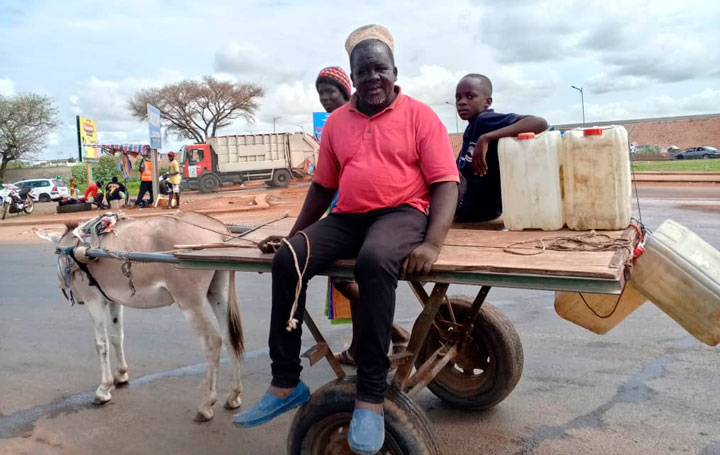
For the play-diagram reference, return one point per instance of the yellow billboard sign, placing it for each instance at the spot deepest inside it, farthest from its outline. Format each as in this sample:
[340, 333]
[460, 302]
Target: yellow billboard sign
[87, 131]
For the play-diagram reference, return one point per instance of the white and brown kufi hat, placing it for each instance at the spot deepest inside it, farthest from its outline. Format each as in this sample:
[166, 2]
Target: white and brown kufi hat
[366, 32]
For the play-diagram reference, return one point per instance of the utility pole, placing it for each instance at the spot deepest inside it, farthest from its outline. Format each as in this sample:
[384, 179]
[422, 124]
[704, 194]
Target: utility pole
[582, 101]
[457, 130]
[275, 118]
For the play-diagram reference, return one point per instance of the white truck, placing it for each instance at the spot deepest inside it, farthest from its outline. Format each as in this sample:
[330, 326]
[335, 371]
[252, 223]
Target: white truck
[274, 158]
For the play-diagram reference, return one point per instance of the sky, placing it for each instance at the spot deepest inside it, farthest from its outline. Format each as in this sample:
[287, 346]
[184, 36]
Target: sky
[634, 59]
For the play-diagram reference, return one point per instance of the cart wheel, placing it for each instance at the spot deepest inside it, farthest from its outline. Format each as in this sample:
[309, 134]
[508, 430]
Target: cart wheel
[489, 362]
[321, 426]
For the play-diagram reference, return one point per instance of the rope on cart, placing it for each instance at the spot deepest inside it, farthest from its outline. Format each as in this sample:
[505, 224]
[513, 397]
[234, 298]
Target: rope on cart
[292, 322]
[584, 242]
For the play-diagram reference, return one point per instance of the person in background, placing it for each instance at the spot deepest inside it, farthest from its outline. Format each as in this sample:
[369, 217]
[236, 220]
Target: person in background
[334, 88]
[479, 198]
[115, 191]
[174, 180]
[73, 188]
[94, 194]
[145, 182]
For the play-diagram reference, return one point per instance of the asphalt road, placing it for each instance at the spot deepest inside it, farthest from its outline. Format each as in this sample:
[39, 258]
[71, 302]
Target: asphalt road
[645, 387]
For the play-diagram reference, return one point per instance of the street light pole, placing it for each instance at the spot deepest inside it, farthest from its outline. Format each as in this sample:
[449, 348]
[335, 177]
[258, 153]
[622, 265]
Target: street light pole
[275, 117]
[582, 101]
[457, 130]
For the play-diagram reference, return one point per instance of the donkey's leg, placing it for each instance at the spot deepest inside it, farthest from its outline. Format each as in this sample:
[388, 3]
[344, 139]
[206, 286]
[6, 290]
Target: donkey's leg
[96, 308]
[219, 300]
[202, 326]
[116, 338]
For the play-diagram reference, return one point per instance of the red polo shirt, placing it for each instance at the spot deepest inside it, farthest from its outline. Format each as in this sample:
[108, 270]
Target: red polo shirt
[386, 160]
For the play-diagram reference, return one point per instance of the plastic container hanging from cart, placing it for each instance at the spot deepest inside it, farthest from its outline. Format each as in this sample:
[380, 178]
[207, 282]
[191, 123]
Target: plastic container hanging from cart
[596, 178]
[530, 171]
[680, 273]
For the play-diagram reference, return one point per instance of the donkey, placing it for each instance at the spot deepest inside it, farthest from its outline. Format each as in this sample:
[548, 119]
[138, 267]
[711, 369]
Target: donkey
[157, 285]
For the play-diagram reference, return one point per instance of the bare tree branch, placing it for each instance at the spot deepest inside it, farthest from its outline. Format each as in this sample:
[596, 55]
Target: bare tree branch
[197, 109]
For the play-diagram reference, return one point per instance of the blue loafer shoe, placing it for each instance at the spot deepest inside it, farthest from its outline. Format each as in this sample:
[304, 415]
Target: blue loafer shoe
[269, 406]
[367, 432]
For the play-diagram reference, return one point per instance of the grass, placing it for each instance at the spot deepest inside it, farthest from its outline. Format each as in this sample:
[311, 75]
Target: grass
[711, 165]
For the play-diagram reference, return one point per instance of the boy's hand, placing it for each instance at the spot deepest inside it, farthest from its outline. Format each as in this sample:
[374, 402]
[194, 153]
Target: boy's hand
[478, 160]
[420, 260]
[270, 244]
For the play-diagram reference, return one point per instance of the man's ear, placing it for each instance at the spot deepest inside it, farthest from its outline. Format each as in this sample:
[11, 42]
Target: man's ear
[395, 72]
[352, 78]
[488, 101]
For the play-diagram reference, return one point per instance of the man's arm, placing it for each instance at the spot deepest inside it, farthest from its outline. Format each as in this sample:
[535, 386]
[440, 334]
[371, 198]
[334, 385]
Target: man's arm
[443, 201]
[317, 201]
[527, 123]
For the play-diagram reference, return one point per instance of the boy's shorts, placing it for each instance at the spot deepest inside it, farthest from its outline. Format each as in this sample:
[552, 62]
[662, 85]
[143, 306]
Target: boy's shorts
[175, 187]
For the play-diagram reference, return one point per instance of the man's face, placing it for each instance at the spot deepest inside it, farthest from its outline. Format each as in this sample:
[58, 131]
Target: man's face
[471, 98]
[171, 157]
[331, 97]
[373, 74]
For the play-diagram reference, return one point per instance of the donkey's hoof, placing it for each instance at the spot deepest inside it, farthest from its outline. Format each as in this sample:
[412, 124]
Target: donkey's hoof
[233, 404]
[203, 416]
[101, 399]
[121, 380]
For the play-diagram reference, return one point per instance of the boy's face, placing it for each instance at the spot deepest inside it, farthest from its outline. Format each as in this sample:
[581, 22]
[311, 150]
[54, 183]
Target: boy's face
[471, 98]
[331, 97]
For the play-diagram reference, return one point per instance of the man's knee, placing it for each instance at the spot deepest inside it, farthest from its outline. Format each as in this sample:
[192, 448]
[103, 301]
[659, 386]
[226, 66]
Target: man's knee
[372, 264]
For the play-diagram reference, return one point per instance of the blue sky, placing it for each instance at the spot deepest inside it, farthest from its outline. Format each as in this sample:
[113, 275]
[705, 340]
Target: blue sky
[633, 58]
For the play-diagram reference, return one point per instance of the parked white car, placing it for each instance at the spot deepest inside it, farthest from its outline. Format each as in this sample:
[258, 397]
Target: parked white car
[45, 190]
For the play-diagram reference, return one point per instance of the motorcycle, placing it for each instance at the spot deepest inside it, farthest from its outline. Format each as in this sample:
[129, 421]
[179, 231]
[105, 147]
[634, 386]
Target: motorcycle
[16, 201]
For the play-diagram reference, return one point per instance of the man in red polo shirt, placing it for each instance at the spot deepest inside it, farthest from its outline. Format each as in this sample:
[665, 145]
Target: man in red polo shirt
[390, 158]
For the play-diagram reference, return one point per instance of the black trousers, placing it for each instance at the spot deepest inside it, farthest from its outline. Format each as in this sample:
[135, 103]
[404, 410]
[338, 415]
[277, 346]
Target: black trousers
[144, 187]
[380, 240]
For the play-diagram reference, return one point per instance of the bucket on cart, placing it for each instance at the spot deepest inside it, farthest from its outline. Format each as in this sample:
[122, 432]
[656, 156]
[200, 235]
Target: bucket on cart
[530, 184]
[680, 273]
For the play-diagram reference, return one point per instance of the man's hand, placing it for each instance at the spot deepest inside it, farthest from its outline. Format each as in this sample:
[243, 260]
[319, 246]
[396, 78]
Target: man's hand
[478, 160]
[270, 244]
[420, 260]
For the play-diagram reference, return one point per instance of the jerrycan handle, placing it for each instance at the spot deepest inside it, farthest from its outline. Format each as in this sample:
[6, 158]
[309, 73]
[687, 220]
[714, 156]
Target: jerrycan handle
[524, 136]
[592, 132]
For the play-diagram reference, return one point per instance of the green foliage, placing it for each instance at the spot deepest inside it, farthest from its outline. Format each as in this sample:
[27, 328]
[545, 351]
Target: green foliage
[712, 165]
[648, 149]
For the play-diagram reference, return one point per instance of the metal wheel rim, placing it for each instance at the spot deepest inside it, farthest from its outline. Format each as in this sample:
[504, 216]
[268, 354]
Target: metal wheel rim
[465, 378]
[329, 437]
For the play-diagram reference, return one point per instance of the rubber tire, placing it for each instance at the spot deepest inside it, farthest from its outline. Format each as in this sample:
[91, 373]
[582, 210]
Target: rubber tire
[209, 183]
[406, 426]
[679, 157]
[705, 157]
[31, 204]
[5, 207]
[280, 178]
[506, 349]
[71, 208]
[44, 198]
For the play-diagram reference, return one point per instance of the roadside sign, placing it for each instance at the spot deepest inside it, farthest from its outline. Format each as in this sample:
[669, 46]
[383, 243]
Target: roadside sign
[153, 114]
[319, 119]
[87, 134]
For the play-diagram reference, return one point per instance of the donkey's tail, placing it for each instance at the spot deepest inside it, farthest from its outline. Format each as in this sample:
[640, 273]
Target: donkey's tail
[235, 330]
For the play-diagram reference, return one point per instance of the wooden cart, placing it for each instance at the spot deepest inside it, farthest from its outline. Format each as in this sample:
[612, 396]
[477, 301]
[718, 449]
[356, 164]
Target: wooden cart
[465, 351]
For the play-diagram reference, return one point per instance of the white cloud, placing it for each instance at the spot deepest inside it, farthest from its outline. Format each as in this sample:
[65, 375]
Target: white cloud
[7, 86]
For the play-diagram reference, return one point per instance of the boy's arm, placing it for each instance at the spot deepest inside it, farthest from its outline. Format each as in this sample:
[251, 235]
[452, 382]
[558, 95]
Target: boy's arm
[527, 123]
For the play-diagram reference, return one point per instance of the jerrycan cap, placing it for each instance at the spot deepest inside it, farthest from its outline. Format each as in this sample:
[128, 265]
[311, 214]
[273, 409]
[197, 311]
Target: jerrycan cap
[523, 136]
[592, 132]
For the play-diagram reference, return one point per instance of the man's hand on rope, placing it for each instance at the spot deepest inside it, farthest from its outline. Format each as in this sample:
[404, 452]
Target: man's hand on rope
[270, 244]
[420, 260]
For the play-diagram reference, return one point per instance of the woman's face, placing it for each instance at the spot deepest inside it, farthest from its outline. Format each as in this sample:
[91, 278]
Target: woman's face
[331, 97]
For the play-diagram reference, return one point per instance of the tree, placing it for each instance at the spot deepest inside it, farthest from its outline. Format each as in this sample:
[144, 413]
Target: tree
[26, 120]
[195, 110]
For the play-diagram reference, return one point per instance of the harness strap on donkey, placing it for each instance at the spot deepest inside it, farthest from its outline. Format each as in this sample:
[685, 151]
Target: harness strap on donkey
[81, 263]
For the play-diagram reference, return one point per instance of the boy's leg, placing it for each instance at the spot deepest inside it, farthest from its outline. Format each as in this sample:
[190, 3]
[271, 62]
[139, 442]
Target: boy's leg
[331, 238]
[389, 240]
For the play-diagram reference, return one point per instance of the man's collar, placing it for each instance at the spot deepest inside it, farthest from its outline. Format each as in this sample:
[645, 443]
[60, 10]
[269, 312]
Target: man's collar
[398, 99]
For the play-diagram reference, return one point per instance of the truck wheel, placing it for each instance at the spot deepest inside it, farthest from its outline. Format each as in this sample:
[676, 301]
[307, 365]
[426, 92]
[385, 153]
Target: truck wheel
[489, 363]
[209, 183]
[321, 426]
[281, 177]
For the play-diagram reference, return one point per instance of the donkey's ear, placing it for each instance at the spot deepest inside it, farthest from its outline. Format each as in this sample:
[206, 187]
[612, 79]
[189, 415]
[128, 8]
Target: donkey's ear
[53, 237]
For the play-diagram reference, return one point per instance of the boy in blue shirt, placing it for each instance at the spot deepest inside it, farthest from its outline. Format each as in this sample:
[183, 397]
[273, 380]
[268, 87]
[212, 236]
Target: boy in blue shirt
[479, 198]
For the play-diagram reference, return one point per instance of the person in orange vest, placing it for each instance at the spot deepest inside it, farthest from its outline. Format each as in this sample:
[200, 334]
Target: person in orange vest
[145, 182]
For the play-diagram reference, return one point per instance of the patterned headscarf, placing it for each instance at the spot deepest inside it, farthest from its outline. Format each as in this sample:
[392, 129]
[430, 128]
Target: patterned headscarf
[336, 76]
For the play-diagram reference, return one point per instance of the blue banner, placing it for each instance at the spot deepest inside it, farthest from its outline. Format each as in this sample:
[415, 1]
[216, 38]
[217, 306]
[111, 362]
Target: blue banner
[319, 119]
[154, 121]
